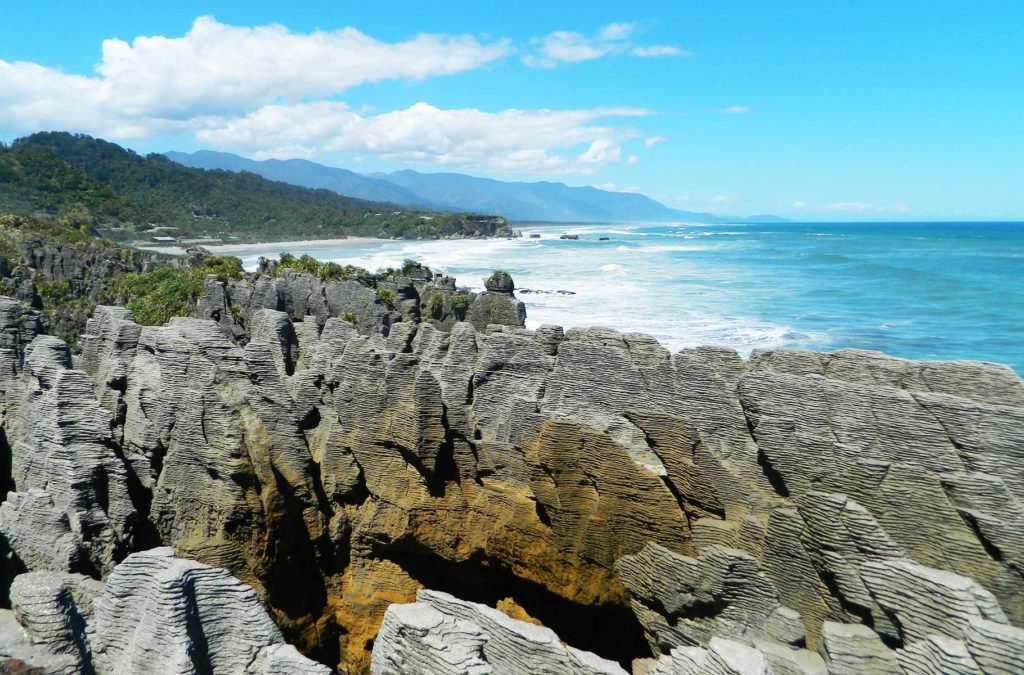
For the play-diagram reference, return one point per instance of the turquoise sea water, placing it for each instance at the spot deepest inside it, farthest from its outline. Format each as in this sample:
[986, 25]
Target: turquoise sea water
[915, 290]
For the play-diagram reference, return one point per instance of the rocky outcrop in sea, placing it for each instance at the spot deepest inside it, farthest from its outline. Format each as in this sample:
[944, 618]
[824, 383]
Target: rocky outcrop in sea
[415, 295]
[290, 492]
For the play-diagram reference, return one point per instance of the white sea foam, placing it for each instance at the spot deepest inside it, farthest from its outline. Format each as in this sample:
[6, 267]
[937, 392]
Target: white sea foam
[680, 301]
[671, 249]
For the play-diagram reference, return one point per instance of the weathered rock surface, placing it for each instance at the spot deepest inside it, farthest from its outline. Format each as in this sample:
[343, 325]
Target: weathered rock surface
[371, 304]
[442, 634]
[72, 510]
[690, 508]
[54, 609]
[162, 614]
[156, 614]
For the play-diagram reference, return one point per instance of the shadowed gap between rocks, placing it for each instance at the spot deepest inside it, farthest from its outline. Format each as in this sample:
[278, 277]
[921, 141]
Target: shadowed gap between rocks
[609, 630]
[295, 581]
[6, 466]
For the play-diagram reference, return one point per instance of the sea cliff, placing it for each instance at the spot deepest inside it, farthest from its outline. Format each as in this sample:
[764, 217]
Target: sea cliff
[305, 475]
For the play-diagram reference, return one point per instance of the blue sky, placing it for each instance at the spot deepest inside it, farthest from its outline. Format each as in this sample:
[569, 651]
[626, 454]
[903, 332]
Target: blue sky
[837, 110]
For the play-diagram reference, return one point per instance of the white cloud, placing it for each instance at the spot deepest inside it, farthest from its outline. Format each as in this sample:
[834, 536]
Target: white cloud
[656, 51]
[510, 141]
[798, 204]
[601, 151]
[617, 31]
[736, 110]
[155, 84]
[722, 199]
[613, 187]
[217, 67]
[633, 159]
[271, 92]
[652, 141]
[571, 47]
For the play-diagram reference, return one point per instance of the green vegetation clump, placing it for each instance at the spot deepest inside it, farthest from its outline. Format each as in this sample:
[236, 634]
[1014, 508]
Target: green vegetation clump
[224, 266]
[350, 317]
[236, 316]
[60, 303]
[18, 227]
[436, 304]
[499, 281]
[328, 271]
[54, 293]
[386, 296]
[155, 297]
[460, 303]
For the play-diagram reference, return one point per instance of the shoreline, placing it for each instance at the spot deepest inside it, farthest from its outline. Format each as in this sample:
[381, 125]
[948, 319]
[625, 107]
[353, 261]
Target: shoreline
[180, 249]
[255, 246]
[693, 286]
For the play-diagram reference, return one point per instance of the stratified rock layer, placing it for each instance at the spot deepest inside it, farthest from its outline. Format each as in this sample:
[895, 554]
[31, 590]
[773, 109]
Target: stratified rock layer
[639, 503]
[156, 614]
[442, 634]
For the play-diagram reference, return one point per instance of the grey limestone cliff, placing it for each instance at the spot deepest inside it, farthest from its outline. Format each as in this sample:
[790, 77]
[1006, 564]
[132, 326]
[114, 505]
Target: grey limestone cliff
[694, 512]
[156, 613]
[370, 304]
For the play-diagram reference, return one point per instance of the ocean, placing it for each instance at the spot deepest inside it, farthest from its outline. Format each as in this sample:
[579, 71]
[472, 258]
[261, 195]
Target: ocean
[914, 290]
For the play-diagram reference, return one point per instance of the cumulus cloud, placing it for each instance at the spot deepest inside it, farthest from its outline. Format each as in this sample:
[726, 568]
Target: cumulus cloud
[510, 141]
[565, 46]
[157, 83]
[652, 141]
[655, 51]
[736, 110]
[271, 92]
[798, 204]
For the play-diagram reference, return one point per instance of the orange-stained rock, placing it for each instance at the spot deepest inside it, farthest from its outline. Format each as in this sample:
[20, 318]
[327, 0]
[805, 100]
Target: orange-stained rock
[338, 474]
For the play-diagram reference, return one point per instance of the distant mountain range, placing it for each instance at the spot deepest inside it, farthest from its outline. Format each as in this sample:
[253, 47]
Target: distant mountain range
[543, 201]
[102, 188]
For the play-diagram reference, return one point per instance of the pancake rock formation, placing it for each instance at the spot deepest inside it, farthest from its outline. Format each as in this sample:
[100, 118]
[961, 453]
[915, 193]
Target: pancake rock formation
[156, 613]
[452, 496]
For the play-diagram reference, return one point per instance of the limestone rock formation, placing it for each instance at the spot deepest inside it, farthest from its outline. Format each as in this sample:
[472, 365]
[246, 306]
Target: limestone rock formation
[692, 509]
[54, 608]
[72, 510]
[442, 634]
[373, 305]
[682, 600]
[156, 614]
[162, 614]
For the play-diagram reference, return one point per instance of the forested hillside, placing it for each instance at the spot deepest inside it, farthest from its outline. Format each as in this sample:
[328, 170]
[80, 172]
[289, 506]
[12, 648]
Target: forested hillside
[99, 186]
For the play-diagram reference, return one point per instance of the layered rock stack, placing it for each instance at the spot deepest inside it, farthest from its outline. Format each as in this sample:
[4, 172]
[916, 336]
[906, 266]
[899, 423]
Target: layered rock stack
[371, 305]
[155, 614]
[383, 497]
